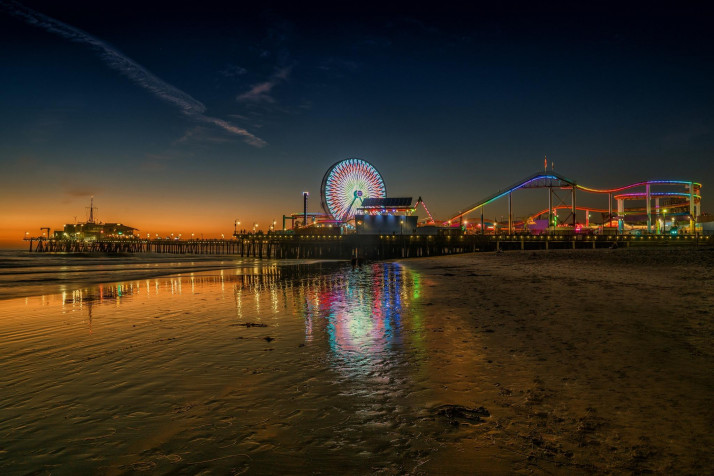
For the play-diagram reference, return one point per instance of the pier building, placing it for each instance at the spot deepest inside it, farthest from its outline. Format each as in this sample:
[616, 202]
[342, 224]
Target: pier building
[94, 230]
[386, 216]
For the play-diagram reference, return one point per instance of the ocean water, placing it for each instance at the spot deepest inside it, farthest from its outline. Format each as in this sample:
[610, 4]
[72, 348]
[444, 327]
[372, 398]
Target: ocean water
[225, 366]
[23, 273]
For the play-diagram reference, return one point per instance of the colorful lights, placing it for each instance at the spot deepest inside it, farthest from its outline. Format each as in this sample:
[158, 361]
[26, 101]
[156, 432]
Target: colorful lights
[565, 183]
[643, 195]
[345, 183]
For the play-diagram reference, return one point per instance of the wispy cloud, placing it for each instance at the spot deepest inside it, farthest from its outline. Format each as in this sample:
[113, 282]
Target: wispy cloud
[260, 92]
[201, 134]
[233, 71]
[135, 72]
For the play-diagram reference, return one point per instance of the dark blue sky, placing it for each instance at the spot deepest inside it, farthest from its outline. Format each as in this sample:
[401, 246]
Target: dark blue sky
[193, 115]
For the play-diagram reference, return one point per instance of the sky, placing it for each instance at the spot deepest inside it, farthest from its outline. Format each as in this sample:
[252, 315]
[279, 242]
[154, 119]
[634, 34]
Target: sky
[184, 118]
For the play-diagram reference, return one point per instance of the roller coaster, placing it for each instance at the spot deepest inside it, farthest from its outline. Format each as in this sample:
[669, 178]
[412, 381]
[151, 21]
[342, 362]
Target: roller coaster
[684, 204]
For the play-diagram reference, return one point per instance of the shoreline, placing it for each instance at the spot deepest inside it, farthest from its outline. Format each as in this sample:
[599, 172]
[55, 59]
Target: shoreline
[87, 264]
[24, 276]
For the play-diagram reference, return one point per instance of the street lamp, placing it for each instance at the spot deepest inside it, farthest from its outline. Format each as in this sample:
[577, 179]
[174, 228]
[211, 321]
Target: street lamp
[401, 226]
[235, 226]
[255, 225]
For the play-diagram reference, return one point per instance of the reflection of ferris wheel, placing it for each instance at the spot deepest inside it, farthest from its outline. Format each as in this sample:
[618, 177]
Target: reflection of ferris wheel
[346, 184]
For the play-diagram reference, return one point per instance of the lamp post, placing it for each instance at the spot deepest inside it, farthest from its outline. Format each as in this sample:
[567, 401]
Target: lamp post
[235, 226]
[255, 225]
[401, 226]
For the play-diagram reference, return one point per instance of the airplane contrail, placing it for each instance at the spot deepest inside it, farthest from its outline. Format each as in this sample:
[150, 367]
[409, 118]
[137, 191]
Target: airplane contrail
[131, 69]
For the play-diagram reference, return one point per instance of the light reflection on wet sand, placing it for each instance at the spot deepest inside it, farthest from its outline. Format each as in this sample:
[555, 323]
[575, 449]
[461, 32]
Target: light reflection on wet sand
[325, 371]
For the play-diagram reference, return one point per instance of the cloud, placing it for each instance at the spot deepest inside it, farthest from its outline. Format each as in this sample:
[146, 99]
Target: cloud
[200, 134]
[135, 72]
[261, 92]
[233, 71]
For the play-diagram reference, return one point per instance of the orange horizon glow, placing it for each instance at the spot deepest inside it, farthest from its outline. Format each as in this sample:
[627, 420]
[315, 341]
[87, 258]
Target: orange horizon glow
[163, 219]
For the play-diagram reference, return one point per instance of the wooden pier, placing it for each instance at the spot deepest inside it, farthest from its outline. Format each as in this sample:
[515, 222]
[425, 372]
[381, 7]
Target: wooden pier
[374, 247]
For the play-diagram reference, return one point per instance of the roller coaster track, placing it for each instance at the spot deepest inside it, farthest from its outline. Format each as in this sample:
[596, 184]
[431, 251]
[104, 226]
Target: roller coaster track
[555, 180]
[565, 207]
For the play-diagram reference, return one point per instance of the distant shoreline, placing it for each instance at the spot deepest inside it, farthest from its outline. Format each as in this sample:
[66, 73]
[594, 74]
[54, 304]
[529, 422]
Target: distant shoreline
[22, 275]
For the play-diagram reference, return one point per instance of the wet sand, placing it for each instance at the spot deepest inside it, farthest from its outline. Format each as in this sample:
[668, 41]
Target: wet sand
[551, 362]
[591, 362]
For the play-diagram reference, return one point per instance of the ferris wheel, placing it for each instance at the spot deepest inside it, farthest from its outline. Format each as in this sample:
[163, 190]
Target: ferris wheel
[346, 184]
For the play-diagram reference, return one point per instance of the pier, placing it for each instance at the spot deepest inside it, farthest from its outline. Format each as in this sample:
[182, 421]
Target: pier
[374, 247]
[366, 224]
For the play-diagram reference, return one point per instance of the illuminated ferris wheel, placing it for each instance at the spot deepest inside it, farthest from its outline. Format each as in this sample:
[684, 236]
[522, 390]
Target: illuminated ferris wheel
[346, 184]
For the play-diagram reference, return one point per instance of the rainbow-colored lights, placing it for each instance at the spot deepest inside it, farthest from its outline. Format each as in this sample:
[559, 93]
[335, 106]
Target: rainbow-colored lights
[554, 180]
[346, 184]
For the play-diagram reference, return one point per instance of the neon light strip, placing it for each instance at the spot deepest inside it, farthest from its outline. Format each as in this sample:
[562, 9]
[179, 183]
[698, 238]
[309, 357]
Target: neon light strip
[587, 189]
[639, 184]
[539, 177]
[657, 194]
[427, 211]
[567, 207]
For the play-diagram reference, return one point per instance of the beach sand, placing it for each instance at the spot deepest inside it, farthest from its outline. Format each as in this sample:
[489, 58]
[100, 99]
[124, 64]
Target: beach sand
[554, 362]
[594, 361]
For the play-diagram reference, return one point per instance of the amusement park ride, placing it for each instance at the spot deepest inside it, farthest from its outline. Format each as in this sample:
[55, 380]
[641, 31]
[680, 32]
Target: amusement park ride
[683, 204]
[353, 188]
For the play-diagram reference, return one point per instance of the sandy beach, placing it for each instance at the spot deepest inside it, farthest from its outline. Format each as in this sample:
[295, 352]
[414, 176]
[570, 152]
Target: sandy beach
[591, 362]
[555, 362]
